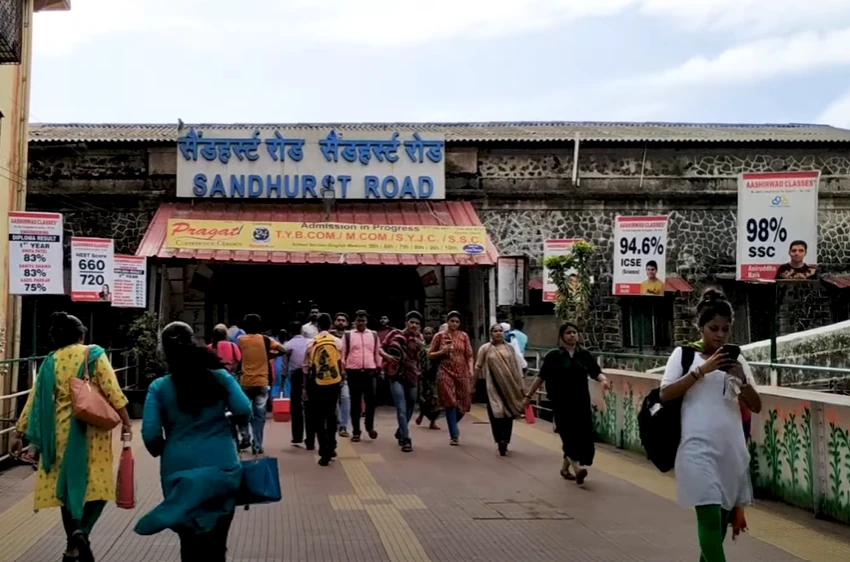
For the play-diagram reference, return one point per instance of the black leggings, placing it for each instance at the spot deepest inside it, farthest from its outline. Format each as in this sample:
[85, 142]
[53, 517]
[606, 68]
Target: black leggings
[210, 546]
[91, 513]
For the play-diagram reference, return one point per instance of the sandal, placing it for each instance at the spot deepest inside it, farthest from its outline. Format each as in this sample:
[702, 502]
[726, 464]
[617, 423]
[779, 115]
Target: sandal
[567, 475]
[407, 447]
[83, 547]
[454, 442]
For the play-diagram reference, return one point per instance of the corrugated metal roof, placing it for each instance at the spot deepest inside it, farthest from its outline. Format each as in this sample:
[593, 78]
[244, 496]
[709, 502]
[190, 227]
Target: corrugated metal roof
[477, 132]
[442, 213]
[675, 284]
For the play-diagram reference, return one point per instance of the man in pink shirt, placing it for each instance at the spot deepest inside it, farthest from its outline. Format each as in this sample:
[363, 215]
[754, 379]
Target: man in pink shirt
[360, 353]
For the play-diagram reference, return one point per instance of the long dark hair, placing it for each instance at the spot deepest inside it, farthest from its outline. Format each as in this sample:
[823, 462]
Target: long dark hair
[191, 368]
[713, 303]
[65, 329]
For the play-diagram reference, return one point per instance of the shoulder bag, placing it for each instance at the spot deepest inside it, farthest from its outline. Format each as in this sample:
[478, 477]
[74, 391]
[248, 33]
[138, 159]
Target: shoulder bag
[88, 402]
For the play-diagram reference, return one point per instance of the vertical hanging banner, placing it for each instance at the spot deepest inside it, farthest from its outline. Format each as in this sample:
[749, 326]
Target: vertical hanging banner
[92, 269]
[777, 226]
[640, 266]
[35, 254]
[555, 247]
[131, 274]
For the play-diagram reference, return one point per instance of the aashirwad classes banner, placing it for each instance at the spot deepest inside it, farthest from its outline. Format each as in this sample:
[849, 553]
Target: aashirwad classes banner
[556, 247]
[35, 254]
[777, 226]
[639, 255]
[92, 269]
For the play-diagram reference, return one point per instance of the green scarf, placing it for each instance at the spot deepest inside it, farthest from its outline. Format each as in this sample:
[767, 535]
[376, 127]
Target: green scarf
[41, 431]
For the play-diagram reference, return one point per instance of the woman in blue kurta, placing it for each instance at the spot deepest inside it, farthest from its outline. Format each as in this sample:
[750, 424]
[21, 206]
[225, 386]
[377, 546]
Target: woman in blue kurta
[185, 423]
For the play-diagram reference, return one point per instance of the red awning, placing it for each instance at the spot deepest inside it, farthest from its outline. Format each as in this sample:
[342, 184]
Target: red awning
[536, 284]
[840, 281]
[424, 213]
[675, 284]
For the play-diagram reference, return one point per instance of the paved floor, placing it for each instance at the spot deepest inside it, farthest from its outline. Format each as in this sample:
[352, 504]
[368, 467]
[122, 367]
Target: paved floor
[439, 503]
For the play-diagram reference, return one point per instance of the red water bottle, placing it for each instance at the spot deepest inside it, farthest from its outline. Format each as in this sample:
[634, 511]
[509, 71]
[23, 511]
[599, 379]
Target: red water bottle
[126, 484]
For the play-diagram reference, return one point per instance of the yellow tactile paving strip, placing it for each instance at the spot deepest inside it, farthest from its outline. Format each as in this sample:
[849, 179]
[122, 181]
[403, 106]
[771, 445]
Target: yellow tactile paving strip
[21, 528]
[785, 534]
[384, 510]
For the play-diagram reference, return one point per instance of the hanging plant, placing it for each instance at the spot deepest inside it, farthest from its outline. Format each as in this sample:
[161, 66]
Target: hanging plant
[570, 273]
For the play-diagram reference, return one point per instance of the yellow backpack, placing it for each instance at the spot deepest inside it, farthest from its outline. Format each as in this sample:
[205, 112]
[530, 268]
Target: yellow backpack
[325, 361]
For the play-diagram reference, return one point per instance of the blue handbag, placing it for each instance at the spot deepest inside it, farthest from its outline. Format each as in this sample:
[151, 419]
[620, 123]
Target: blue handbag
[260, 482]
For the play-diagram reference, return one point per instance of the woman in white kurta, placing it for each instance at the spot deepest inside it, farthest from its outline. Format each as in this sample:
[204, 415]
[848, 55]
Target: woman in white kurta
[712, 463]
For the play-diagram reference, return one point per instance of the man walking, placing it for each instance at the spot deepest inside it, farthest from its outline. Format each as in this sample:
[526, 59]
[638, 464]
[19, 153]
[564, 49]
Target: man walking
[384, 327]
[405, 354]
[310, 329]
[297, 349]
[360, 349]
[325, 373]
[343, 410]
[256, 379]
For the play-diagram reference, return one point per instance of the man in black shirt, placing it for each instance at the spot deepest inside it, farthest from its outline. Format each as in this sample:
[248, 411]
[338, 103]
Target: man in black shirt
[796, 269]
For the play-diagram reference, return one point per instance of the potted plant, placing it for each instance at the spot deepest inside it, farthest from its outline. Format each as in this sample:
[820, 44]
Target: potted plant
[144, 332]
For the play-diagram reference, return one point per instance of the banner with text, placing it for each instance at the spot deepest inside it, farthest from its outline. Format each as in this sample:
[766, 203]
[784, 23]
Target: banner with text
[555, 247]
[777, 226]
[639, 260]
[130, 282]
[331, 238]
[310, 163]
[92, 269]
[35, 254]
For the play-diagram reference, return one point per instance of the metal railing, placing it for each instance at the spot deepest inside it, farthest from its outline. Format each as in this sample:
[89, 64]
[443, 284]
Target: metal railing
[129, 368]
[833, 379]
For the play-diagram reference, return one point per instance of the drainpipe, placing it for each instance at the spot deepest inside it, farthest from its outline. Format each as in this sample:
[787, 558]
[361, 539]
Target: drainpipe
[575, 161]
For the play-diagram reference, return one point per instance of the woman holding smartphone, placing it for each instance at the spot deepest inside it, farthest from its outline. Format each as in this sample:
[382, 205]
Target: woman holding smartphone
[712, 463]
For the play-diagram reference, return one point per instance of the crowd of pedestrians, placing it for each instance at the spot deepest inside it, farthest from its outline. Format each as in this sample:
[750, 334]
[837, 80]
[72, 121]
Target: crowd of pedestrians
[216, 394]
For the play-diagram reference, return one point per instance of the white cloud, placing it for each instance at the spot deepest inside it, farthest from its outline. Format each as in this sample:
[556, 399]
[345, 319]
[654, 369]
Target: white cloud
[213, 24]
[755, 61]
[837, 113]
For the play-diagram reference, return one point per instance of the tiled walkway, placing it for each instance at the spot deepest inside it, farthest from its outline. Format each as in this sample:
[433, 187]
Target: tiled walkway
[438, 503]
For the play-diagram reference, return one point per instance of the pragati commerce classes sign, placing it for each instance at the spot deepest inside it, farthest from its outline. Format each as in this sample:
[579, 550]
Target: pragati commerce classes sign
[317, 163]
[332, 238]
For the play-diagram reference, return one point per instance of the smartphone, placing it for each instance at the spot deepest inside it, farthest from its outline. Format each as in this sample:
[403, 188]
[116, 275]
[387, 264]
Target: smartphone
[731, 351]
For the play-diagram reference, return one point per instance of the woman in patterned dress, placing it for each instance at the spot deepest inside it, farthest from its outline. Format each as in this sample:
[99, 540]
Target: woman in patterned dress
[454, 373]
[75, 470]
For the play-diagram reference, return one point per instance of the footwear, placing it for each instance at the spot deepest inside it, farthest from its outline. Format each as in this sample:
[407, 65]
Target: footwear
[454, 442]
[244, 443]
[324, 461]
[566, 474]
[355, 438]
[310, 447]
[343, 433]
[434, 426]
[419, 419]
[258, 451]
[373, 434]
[581, 474]
[296, 442]
[397, 435]
[503, 448]
[407, 447]
[333, 455]
[81, 542]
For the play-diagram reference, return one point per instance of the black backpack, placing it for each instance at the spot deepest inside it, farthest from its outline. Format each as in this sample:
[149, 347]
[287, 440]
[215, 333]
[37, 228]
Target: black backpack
[660, 423]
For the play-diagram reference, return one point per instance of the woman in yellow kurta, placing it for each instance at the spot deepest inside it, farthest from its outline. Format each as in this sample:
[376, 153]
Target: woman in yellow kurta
[66, 445]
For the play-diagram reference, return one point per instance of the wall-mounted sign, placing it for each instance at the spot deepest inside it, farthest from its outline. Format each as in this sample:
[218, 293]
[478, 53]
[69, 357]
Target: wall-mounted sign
[35, 254]
[555, 247]
[777, 226]
[511, 280]
[332, 238]
[130, 289]
[639, 255]
[92, 269]
[240, 163]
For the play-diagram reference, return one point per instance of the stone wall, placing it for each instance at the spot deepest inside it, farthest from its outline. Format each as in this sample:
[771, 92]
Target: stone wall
[524, 193]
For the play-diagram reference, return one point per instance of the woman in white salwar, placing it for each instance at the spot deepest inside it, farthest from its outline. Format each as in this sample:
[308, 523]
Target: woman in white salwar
[712, 463]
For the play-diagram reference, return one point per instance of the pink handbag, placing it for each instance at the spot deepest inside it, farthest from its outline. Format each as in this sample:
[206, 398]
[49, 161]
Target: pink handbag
[88, 402]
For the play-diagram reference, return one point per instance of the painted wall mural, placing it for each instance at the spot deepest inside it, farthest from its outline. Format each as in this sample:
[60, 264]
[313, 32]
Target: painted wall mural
[785, 454]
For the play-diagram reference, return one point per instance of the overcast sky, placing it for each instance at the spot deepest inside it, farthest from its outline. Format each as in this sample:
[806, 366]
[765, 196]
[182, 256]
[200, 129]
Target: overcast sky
[751, 61]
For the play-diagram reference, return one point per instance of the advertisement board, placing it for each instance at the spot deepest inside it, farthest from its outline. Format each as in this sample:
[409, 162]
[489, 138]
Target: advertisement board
[640, 266]
[92, 269]
[35, 254]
